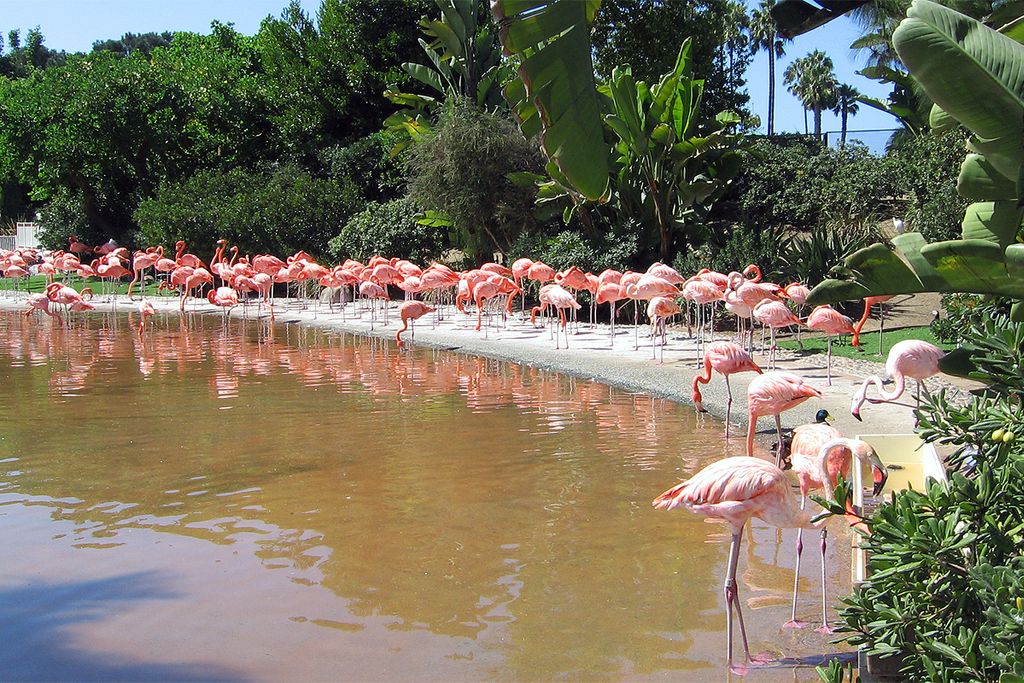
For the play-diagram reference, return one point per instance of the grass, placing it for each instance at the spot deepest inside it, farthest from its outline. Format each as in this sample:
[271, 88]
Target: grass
[37, 283]
[868, 343]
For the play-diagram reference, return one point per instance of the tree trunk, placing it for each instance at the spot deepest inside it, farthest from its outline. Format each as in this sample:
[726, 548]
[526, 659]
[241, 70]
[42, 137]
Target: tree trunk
[771, 87]
[817, 123]
[842, 134]
[806, 132]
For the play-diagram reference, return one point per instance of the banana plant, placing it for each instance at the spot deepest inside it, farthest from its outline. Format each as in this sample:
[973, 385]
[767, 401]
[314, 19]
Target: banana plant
[975, 76]
[671, 163]
[464, 61]
[555, 94]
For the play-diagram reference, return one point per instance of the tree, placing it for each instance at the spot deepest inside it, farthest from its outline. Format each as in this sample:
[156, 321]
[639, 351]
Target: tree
[646, 34]
[461, 168]
[131, 43]
[813, 81]
[765, 37]
[326, 75]
[845, 106]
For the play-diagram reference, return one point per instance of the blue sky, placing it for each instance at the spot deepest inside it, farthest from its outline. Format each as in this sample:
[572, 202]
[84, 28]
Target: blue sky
[73, 25]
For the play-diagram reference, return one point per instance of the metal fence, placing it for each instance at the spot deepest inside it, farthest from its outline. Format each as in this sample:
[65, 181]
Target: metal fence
[7, 242]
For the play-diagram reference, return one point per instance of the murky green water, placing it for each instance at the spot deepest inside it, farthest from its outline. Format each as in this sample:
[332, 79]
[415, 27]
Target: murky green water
[247, 502]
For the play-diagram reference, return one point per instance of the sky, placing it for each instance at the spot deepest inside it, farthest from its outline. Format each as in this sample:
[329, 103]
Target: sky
[73, 26]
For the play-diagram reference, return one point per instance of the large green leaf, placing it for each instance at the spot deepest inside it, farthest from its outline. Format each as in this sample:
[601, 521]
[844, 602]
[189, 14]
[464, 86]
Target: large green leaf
[974, 73]
[996, 222]
[979, 180]
[553, 39]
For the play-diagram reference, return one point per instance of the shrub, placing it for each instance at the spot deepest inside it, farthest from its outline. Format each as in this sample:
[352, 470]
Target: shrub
[925, 170]
[461, 169]
[365, 169]
[962, 311]
[733, 249]
[572, 248]
[279, 211]
[810, 257]
[945, 563]
[64, 217]
[389, 229]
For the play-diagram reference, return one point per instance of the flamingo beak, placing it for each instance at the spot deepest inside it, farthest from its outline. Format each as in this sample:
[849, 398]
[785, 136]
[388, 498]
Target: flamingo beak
[856, 414]
[881, 475]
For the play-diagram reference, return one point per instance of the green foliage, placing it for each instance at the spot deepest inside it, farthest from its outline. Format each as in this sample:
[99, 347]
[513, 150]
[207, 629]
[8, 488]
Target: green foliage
[326, 75]
[64, 217]
[944, 563]
[24, 58]
[811, 256]
[365, 169]
[131, 43]
[733, 249]
[812, 80]
[389, 229]
[644, 35]
[963, 311]
[799, 183]
[461, 169]
[572, 248]
[278, 211]
[922, 171]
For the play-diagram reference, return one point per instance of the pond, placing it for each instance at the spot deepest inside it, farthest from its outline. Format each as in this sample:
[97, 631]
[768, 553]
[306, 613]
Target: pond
[239, 501]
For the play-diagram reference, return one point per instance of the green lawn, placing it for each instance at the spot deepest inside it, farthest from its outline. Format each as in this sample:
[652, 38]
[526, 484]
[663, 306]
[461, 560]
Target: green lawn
[868, 343]
[37, 283]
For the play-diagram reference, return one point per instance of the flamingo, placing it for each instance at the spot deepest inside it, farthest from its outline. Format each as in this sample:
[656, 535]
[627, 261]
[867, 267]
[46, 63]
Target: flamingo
[560, 299]
[41, 302]
[909, 358]
[145, 311]
[409, 312]
[659, 309]
[870, 301]
[772, 394]
[830, 321]
[140, 261]
[725, 358]
[735, 490]
[774, 314]
[819, 455]
[609, 293]
[797, 292]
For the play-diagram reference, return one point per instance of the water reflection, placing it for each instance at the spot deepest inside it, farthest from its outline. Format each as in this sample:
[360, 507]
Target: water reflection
[483, 519]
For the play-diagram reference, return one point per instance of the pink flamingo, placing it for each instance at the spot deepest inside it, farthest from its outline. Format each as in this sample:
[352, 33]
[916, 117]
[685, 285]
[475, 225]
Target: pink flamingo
[819, 455]
[41, 302]
[609, 293]
[560, 299]
[797, 292]
[830, 321]
[909, 358]
[702, 292]
[483, 291]
[145, 311]
[772, 394]
[725, 358]
[659, 310]
[870, 301]
[735, 490]
[372, 291]
[142, 260]
[774, 314]
[410, 312]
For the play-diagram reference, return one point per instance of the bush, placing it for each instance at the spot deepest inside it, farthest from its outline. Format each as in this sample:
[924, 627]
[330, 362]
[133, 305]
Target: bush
[945, 564]
[389, 229]
[962, 311]
[572, 248]
[810, 257]
[278, 211]
[461, 169]
[925, 169]
[734, 249]
[365, 169]
[64, 217]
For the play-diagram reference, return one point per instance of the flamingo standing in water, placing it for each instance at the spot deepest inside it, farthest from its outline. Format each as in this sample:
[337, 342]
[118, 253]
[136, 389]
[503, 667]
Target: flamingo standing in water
[725, 358]
[41, 302]
[735, 490]
[830, 321]
[146, 310]
[909, 358]
[772, 394]
[819, 454]
[410, 312]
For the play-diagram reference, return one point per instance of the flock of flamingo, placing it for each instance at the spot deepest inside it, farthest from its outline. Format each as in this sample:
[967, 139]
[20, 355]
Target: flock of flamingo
[734, 489]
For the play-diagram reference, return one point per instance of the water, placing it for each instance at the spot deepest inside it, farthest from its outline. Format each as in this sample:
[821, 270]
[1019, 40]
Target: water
[253, 502]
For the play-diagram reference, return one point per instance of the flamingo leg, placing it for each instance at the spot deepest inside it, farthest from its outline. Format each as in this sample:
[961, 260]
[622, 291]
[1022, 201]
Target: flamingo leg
[732, 601]
[728, 405]
[828, 362]
[611, 307]
[778, 431]
[825, 628]
[793, 621]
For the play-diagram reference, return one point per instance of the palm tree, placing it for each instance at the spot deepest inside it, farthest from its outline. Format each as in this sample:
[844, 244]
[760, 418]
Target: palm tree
[735, 35]
[846, 105]
[764, 37]
[813, 80]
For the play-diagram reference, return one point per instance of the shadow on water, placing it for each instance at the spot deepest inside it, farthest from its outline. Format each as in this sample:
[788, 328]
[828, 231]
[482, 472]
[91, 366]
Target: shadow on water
[34, 619]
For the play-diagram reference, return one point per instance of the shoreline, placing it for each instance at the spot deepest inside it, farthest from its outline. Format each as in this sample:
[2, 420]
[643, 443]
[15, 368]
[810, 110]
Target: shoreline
[590, 357]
